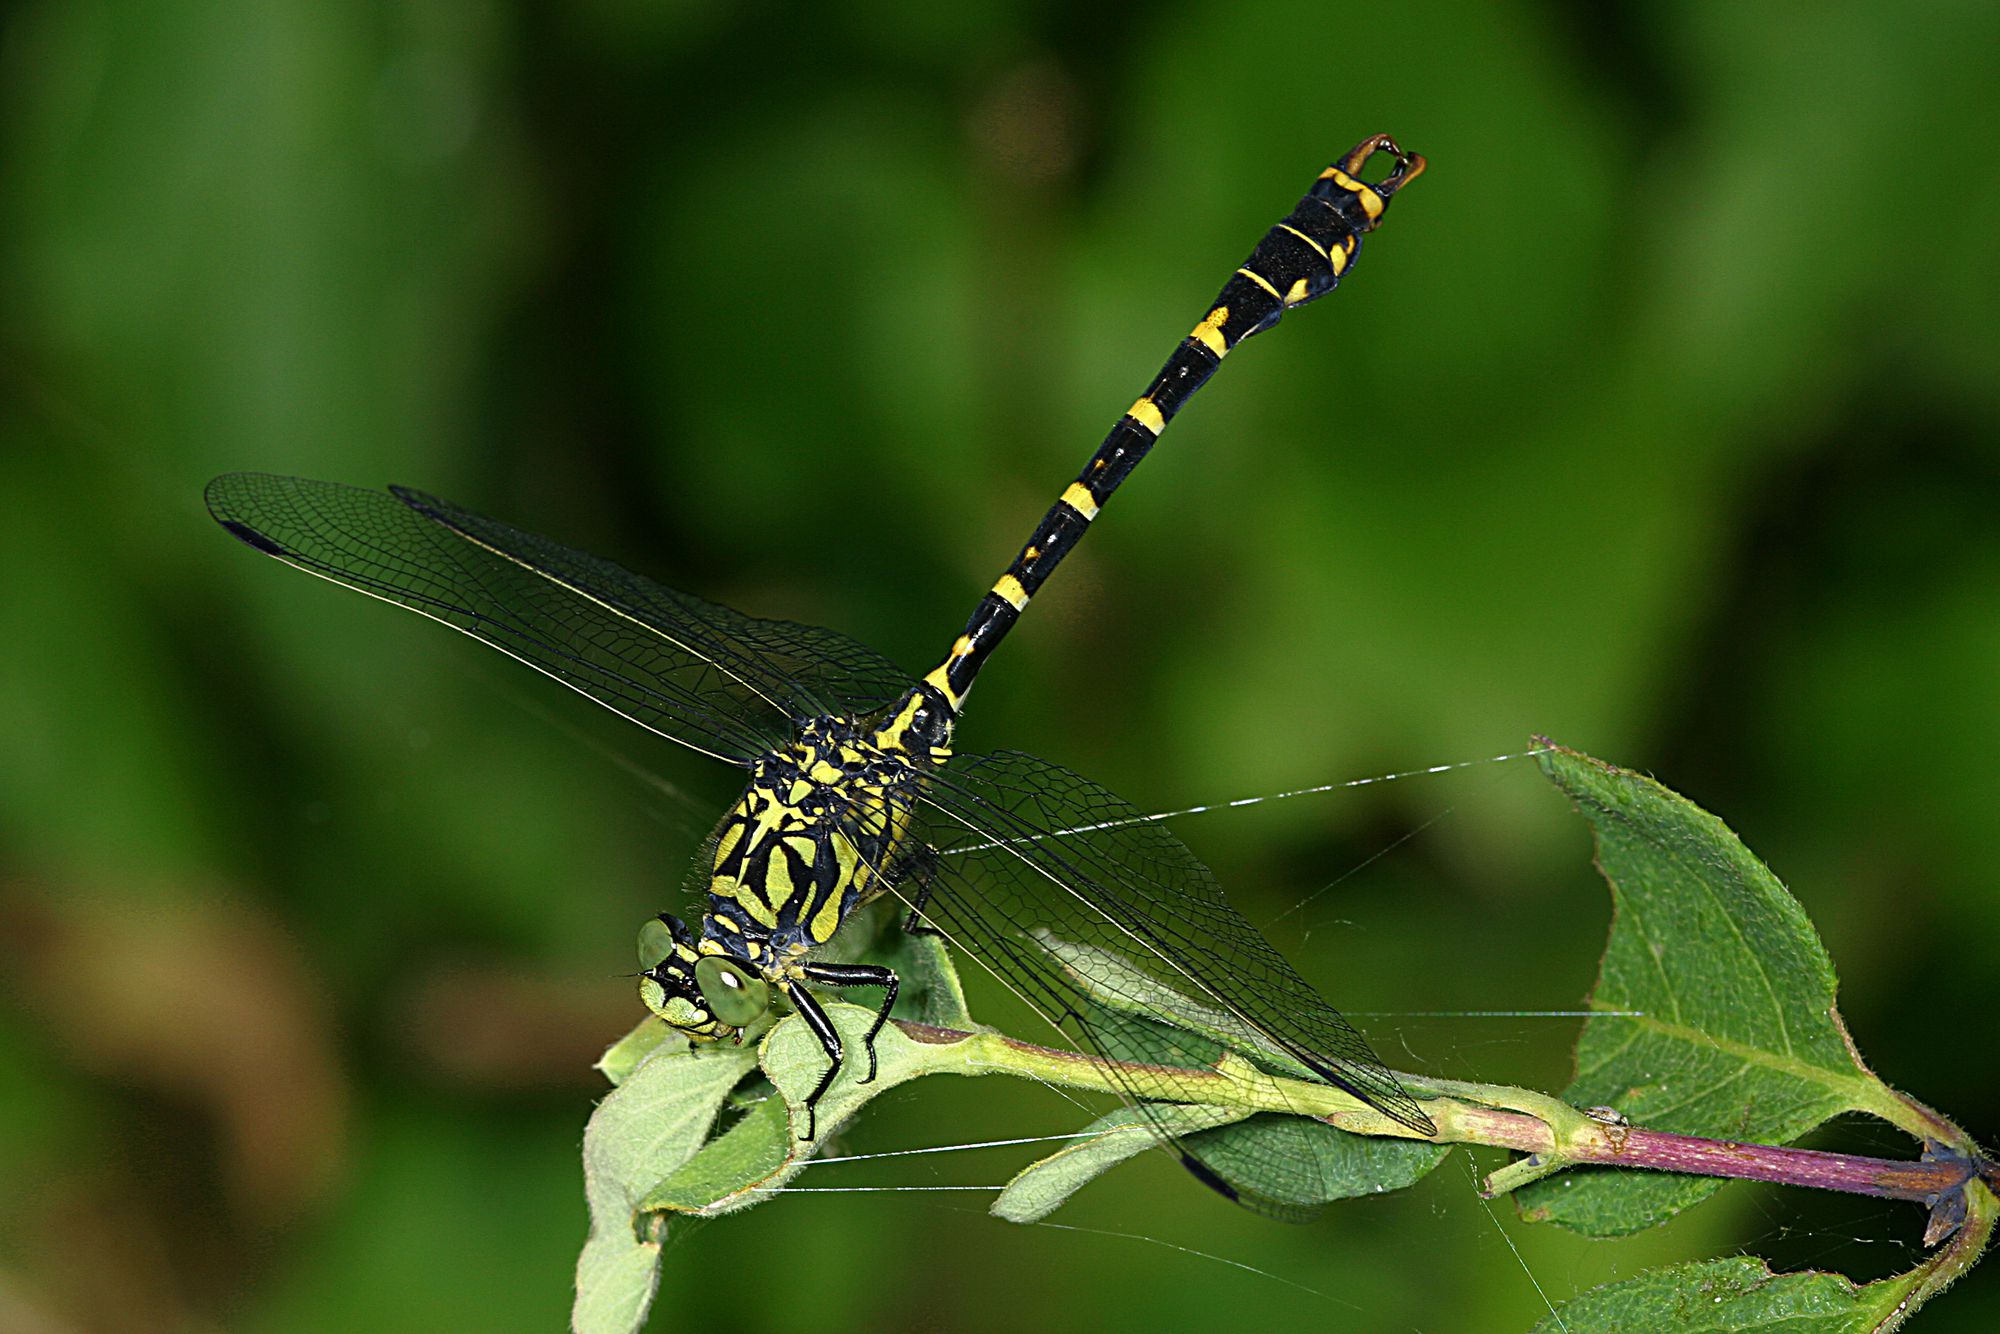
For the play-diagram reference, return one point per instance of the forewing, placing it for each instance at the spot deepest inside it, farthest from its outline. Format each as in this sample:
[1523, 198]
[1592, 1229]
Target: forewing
[1072, 895]
[804, 669]
[700, 674]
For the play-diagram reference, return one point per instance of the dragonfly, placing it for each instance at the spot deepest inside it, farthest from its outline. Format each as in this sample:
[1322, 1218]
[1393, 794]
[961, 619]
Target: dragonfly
[1066, 893]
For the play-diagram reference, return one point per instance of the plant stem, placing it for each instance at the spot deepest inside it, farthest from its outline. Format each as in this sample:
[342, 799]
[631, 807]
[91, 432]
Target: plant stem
[1552, 1134]
[1924, 1182]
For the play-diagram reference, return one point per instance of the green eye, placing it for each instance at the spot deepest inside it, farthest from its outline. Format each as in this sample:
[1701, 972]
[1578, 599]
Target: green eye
[735, 995]
[656, 942]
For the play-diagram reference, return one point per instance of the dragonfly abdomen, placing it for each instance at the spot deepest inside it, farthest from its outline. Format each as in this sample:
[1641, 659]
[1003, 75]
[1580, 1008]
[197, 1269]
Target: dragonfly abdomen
[1300, 259]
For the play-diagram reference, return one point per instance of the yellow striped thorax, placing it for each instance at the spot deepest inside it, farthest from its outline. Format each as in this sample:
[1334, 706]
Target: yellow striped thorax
[819, 832]
[809, 841]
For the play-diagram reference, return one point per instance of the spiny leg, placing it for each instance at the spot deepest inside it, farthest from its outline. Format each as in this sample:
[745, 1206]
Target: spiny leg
[858, 975]
[922, 873]
[829, 1041]
[838, 975]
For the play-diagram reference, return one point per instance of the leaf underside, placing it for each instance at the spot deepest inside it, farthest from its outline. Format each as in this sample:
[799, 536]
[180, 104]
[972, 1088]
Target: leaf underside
[649, 1125]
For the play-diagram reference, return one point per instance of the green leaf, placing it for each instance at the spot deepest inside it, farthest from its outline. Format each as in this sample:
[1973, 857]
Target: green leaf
[643, 1130]
[1289, 1160]
[1737, 1294]
[651, 1034]
[1119, 987]
[762, 1150]
[1147, 1041]
[1736, 1035]
[1038, 1189]
[730, 1167]
[932, 993]
[1318, 1163]
[794, 1061]
[1297, 1160]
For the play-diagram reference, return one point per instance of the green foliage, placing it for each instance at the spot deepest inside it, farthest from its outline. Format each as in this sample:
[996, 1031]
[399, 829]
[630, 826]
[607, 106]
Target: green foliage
[1040, 1188]
[648, 1036]
[1327, 1163]
[932, 993]
[1735, 1035]
[793, 1061]
[1665, 419]
[1724, 1021]
[656, 1120]
[1179, 1029]
[752, 1153]
[1728, 1296]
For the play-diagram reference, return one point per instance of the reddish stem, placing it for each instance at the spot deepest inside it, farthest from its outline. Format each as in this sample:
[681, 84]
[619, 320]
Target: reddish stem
[1936, 1180]
[1925, 1182]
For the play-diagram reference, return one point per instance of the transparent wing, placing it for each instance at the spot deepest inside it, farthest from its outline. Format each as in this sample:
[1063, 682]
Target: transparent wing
[1091, 913]
[698, 673]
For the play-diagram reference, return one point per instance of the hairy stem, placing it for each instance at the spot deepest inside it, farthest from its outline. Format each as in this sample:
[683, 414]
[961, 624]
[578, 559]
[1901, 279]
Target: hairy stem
[1552, 1134]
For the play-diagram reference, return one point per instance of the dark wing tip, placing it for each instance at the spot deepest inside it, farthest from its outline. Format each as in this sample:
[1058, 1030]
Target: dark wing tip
[250, 537]
[1389, 1097]
[423, 503]
[1207, 1176]
[224, 497]
[1410, 1117]
[1374, 1085]
[1257, 1203]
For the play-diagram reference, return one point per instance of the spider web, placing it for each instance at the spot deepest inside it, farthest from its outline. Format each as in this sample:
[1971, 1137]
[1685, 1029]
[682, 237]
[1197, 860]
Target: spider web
[1101, 921]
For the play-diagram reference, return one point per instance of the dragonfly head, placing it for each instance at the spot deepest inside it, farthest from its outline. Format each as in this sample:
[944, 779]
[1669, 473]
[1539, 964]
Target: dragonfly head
[709, 997]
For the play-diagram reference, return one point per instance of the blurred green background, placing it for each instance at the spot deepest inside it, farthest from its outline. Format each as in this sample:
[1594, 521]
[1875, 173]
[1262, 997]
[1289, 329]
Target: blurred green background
[1659, 418]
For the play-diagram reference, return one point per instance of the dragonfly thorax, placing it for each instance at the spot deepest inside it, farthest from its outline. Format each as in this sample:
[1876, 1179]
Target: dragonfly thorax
[815, 835]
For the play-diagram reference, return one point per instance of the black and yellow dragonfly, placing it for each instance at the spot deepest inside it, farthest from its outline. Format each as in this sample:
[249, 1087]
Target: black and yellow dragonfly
[1066, 893]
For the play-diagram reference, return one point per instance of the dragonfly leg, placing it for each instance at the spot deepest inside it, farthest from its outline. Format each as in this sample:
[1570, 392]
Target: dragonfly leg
[923, 874]
[859, 975]
[829, 1041]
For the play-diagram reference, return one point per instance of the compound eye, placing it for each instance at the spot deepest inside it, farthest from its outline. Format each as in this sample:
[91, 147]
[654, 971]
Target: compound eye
[656, 942]
[735, 995]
